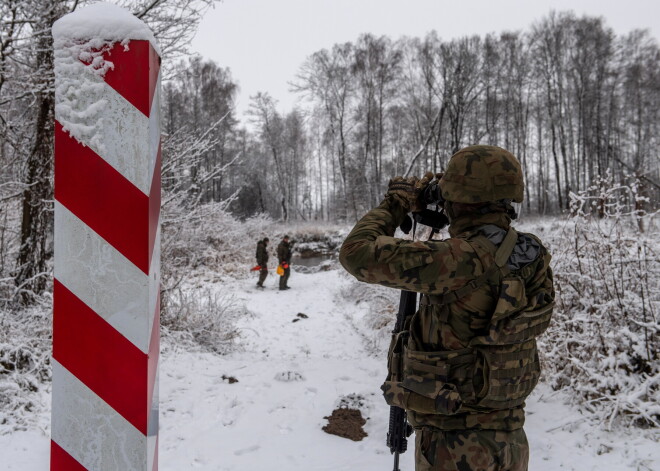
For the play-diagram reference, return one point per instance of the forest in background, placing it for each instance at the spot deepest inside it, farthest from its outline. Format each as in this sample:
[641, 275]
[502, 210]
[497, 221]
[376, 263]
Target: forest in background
[577, 104]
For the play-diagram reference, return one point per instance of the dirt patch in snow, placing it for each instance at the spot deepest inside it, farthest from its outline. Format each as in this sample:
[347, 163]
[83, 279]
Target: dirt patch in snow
[346, 423]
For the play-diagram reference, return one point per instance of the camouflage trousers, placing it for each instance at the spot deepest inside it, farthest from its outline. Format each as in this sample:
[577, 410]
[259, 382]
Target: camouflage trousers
[471, 450]
[263, 273]
[284, 279]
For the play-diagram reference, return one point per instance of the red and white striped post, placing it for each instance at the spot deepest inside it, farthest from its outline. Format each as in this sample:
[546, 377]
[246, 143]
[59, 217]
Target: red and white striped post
[107, 243]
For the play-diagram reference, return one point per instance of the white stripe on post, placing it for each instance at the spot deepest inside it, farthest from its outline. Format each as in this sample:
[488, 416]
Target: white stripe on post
[125, 133]
[106, 329]
[86, 264]
[93, 433]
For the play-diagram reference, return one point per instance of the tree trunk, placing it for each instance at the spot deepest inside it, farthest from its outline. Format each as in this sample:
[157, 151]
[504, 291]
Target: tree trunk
[36, 208]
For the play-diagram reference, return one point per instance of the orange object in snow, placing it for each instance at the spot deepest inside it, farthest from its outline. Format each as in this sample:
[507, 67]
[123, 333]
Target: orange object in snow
[280, 270]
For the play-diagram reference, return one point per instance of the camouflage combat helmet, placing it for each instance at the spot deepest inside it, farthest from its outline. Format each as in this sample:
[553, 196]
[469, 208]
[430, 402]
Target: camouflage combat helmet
[479, 174]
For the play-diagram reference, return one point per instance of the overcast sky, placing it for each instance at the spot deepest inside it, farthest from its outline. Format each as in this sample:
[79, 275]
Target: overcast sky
[264, 42]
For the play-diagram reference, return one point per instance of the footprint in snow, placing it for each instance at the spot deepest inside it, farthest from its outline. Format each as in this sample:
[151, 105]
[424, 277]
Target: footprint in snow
[289, 376]
[247, 450]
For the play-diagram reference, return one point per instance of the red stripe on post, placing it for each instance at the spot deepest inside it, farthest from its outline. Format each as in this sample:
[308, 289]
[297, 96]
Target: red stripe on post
[154, 204]
[60, 460]
[103, 198]
[135, 73]
[99, 356]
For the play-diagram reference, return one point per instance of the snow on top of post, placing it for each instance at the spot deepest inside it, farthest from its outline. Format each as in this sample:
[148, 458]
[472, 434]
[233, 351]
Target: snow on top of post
[81, 42]
[104, 22]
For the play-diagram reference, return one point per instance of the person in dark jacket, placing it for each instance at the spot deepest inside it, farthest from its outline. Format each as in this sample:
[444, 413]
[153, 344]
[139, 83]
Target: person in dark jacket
[284, 258]
[262, 261]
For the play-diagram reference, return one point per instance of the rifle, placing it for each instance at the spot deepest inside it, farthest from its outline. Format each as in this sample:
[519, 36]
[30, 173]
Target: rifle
[400, 429]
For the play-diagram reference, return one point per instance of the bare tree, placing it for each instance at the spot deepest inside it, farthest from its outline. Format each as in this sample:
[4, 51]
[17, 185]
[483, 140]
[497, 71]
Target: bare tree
[271, 130]
[326, 78]
[26, 111]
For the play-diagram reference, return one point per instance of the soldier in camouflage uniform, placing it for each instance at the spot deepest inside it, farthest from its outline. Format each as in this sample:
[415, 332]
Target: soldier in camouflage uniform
[284, 258]
[466, 360]
[262, 260]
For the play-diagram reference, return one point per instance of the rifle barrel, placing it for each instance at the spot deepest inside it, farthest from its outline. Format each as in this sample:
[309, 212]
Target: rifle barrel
[399, 430]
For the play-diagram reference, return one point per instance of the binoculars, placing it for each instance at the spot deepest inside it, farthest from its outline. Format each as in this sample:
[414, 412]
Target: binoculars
[432, 195]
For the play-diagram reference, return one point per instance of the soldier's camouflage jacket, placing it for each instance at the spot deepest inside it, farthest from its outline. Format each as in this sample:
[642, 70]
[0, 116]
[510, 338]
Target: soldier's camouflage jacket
[467, 359]
[284, 252]
[262, 254]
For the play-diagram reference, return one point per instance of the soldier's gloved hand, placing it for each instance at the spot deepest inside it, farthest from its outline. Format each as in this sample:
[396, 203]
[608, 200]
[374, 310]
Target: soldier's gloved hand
[404, 189]
[409, 190]
[424, 181]
[420, 187]
[433, 192]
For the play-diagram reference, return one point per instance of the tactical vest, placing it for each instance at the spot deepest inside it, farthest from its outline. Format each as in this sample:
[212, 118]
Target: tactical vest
[497, 370]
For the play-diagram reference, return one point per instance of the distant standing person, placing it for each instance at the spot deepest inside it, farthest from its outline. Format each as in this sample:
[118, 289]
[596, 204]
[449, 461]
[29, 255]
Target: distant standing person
[262, 260]
[284, 258]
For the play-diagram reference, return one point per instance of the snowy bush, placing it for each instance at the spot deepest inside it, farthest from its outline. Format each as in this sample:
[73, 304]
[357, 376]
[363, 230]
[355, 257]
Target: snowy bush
[10, 221]
[199, 246]
[603, 341]
[202, 317]
[209, 241]
[25, 346]
[313, 239]
[378, 307]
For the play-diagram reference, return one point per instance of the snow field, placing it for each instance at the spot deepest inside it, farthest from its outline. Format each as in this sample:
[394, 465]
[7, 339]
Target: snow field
[292, 374]
[264, 423]
[560, 438]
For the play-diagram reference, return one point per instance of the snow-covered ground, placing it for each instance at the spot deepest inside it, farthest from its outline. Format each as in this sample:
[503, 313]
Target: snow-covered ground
[292, 374]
